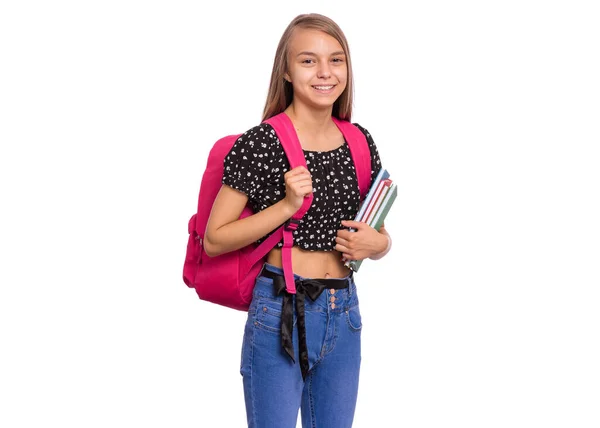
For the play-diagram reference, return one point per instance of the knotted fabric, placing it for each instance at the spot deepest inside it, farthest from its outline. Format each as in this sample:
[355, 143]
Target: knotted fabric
[304, 287]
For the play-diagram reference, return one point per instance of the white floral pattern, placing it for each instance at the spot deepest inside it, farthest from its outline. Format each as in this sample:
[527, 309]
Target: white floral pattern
[256, 165]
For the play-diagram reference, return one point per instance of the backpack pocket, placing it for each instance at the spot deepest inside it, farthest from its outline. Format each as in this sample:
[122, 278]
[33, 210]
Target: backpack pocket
[193, 255]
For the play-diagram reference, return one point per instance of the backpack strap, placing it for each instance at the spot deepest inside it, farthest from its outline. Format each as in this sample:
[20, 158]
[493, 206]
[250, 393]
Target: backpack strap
[359, 150]
[284, 128]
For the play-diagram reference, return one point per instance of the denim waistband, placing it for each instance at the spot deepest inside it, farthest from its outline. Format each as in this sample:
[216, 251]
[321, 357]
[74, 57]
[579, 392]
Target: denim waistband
[344, 299]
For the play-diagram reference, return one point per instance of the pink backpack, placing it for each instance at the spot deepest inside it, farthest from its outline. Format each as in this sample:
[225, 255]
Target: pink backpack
[228, 279]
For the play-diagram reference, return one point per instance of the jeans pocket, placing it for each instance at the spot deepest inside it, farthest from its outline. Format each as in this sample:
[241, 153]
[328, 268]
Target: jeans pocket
[268, 315]
[353, 318]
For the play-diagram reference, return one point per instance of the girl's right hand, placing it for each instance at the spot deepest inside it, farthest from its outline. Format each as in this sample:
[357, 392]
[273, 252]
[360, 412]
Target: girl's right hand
[298, 185]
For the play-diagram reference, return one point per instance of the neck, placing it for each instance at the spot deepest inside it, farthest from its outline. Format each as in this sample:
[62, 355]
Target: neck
[309, 119]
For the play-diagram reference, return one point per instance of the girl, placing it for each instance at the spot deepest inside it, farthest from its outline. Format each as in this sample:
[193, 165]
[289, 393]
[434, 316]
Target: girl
[311, 81]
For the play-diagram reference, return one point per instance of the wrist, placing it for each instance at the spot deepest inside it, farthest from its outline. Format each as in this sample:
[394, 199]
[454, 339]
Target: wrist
[384, 252]
[287, 208]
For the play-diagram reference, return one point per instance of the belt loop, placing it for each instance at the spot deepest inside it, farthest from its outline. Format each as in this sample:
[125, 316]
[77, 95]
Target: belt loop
[262, 269]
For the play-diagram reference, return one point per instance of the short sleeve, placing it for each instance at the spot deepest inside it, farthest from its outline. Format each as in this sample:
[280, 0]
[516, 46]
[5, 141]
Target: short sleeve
[248, 163]
[375, 160]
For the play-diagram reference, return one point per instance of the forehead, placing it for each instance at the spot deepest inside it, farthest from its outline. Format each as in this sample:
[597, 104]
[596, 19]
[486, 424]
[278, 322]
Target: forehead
[315, 41]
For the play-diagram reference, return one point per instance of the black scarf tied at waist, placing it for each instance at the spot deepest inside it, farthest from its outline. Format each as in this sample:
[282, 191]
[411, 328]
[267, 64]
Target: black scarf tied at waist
[304, 287]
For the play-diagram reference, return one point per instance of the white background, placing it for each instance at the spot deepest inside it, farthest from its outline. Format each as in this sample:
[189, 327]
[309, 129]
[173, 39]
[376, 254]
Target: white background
[485, 313]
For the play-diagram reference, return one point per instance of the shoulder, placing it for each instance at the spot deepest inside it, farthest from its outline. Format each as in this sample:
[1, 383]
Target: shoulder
[363, 130]
[367, 134]
[375, 159]
[262, 133]
[258, 143]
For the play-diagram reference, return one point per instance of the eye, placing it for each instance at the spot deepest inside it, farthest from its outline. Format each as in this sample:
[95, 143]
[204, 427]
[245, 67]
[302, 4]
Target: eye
[307, 61]
[338, 60]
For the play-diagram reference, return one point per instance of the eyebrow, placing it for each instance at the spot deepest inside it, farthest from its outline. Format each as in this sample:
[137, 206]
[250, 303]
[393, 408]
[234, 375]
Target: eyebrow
[314, 54]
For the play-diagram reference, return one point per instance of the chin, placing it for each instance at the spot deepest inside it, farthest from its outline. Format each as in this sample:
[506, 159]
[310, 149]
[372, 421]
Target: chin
[324, 102]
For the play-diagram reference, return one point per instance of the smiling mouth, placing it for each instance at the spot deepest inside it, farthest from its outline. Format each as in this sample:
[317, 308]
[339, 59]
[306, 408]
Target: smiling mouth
[323, 87]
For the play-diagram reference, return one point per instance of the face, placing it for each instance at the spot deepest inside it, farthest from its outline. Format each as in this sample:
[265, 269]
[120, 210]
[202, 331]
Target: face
[316, 68]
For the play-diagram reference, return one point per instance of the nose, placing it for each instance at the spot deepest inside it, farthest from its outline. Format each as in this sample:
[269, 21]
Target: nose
[324, 71]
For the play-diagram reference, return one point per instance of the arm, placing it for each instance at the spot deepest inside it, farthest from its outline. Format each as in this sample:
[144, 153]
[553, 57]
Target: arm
[225, 232]
[377, 256]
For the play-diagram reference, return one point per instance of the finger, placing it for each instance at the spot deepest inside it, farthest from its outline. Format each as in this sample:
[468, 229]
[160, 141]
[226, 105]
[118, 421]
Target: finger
[301, 188]
[345, 234]
[353, 224]
[297, 177]
[297, 171]
[341, 249]
[341, 241]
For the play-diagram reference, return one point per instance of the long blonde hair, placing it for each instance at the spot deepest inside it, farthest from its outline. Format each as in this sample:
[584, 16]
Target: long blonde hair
[281, 91]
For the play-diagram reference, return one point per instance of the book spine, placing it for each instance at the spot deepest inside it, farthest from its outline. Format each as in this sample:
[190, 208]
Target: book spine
[385, 207]
[374, 198]
[382, 175]
[380, 198]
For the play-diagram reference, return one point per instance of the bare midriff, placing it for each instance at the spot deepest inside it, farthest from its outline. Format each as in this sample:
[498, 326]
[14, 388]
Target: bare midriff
[312, 264]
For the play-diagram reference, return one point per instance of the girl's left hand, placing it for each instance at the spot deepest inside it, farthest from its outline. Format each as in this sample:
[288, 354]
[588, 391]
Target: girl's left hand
[365, 242]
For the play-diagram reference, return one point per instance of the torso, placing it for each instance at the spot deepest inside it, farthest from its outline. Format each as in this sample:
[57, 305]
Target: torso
[257, 164]
[315, 264]
[336, 193]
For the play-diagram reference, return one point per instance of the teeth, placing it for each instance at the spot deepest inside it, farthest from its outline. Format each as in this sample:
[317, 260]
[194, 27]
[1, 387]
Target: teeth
[323, 88]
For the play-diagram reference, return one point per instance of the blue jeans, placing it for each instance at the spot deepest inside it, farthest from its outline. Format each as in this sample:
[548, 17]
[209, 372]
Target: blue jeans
[273, 387]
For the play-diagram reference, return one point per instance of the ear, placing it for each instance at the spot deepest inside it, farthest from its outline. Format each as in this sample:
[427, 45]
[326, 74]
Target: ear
[287, 77]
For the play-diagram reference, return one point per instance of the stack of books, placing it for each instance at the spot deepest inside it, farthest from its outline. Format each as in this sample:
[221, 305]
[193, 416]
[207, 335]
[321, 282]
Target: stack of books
[375, 207]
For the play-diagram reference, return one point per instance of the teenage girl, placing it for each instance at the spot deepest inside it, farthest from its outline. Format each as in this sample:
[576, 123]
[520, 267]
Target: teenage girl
[314, 367]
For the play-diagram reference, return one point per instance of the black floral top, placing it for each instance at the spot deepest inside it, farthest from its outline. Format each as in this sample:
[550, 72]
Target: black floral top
[256, 165]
